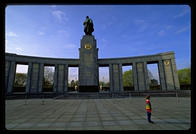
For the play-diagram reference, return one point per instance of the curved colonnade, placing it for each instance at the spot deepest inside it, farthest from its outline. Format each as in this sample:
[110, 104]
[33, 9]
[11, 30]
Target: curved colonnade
[166, 66]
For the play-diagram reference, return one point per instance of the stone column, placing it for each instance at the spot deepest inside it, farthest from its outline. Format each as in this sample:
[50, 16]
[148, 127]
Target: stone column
[111, 77]
[55, 79]
[98, 76]
[61, 76]
[175, 74]
[141, 76]
[146, 77]
[135, 77]
[65, 78]
[162, 75]
[168, 75]
[120, 78]
[11, 76]
[116, 77]
[41, 76]
[34, 78]
[7, 67]
[29, 74]
[116, 82]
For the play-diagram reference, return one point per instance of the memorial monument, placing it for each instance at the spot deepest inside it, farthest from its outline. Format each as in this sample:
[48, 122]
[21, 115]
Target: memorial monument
[89, 64]
[88, 68]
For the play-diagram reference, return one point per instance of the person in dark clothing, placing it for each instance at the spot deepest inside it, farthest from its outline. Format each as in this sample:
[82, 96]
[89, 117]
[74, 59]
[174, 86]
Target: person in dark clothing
[148, 109]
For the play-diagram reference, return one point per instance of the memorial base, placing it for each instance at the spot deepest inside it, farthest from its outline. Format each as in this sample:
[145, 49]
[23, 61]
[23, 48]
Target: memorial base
[88, 89]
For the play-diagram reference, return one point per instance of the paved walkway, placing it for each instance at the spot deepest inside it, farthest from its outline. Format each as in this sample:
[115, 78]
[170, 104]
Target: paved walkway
[98, 114]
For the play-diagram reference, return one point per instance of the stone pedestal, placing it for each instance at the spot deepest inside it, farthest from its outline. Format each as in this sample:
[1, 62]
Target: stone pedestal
[88, 68]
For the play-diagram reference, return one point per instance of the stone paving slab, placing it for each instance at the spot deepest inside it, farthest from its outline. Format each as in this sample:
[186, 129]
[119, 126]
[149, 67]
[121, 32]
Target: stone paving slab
[169, 113]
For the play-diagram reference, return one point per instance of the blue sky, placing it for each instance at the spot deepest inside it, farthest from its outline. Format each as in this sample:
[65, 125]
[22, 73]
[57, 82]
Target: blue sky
[120, 30]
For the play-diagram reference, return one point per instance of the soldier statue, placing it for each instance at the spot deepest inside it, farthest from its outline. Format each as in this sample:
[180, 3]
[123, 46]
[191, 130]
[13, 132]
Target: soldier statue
[88, 26]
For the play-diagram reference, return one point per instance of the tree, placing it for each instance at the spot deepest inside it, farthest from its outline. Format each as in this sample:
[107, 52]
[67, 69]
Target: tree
[127, 78]
[150, 75]
[107, 84]
[20, 79]
[104, 84]
[153, 82]
[101, 83]
[48, 76]
[76, 83]
[72, 83]
[49, 73]
[46, 82]
[184, 76]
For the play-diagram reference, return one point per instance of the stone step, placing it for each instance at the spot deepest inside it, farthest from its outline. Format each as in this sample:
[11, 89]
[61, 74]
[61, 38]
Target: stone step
[94, 95]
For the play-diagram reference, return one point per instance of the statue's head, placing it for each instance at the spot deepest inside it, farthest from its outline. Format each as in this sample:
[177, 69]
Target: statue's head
[87, 17]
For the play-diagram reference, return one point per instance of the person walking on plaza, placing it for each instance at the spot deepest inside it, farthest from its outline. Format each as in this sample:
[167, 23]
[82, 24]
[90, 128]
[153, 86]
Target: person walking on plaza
[148, 109]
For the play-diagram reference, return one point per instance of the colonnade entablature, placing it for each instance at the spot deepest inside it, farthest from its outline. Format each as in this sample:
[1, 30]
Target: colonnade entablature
[166, 66]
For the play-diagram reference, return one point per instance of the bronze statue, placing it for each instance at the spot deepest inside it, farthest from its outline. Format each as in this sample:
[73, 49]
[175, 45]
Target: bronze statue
[88, 26]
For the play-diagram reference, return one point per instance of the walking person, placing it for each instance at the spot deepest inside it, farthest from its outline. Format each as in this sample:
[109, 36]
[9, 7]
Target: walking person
[148, 109]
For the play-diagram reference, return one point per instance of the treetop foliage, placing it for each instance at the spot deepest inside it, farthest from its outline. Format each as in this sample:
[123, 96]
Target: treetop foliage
[184, 76]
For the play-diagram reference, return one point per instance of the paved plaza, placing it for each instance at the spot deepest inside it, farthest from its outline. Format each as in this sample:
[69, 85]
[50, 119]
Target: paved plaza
[168, 113]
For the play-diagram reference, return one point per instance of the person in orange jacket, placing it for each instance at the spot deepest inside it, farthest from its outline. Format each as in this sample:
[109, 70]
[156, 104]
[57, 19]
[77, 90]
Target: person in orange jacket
[148, 109]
